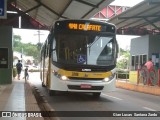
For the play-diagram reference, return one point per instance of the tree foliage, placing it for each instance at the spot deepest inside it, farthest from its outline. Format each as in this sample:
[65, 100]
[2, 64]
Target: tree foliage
[123, 63]
[28, 49]
[16, 40]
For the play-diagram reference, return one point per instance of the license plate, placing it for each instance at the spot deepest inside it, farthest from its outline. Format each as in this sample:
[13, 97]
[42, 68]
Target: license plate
[85, 86]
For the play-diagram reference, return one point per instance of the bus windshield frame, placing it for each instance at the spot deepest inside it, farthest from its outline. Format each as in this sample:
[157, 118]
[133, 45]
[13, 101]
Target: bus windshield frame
[92, 48]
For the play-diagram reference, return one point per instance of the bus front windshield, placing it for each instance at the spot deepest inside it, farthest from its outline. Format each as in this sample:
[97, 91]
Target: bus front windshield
[89, 49]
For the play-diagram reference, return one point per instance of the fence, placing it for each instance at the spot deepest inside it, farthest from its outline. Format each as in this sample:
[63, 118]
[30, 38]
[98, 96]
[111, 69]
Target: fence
[122, 75]
[149, 77]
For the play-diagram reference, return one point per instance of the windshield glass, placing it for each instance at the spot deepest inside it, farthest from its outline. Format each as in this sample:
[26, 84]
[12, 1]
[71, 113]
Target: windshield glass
[86, 49]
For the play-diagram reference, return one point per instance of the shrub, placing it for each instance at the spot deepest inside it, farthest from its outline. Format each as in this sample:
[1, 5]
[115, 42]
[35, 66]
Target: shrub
[14, 72]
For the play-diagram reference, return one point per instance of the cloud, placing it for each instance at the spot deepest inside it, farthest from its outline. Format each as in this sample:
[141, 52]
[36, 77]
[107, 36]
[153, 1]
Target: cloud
[124, 41]
[31, 36]
[128, 3]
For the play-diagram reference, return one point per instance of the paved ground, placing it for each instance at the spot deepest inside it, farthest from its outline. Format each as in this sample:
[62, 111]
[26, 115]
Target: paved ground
[18, 97]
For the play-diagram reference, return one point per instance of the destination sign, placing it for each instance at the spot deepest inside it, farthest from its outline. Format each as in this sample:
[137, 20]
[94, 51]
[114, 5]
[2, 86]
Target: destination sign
[84, 26]
[87, 27]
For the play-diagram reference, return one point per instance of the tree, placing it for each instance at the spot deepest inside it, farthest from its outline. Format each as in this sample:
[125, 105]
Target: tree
[29, 49]
[123, 60]
[16, 40]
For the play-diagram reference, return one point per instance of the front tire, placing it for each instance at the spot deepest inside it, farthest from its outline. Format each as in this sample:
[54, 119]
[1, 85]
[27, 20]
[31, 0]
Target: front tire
[52, 92]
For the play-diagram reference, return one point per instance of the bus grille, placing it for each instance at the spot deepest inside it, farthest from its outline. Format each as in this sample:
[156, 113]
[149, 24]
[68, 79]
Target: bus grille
[76, 87]
[76, 78]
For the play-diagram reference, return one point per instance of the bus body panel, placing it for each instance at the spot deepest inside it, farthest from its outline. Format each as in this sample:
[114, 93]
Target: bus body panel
[59, 85]
[62, 85]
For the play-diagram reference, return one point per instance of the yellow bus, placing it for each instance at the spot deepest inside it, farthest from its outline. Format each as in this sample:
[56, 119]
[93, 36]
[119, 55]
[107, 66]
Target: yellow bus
[79, 56]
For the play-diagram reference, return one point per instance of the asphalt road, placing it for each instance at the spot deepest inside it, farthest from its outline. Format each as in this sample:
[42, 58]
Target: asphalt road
[119, 100]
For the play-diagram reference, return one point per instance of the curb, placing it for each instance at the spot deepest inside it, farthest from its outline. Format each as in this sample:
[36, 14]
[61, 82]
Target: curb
[154, 90]
[43, 104]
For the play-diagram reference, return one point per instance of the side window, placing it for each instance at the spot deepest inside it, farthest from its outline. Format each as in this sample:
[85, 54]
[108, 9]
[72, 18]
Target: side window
[109, 48]
[144, 59]
[54, 53]
[133, 61]
[46, 49]
[42, 53]
[137, 61]
[54, 44]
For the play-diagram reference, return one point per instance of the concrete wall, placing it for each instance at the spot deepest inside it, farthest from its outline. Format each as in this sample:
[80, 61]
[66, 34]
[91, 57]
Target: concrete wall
[6, 42]
[145, 45]
[154, 44]
[140, 45]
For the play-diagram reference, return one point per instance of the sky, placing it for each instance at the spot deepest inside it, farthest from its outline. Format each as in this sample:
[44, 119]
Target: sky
[129, 3]
[124, 41]
[32, 35]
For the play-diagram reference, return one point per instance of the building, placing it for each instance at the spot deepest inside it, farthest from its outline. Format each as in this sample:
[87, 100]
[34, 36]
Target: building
[143, 48]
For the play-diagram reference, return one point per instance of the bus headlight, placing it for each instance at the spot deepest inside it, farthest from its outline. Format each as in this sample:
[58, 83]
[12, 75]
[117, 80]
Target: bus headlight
[107, 79]
[63, 77]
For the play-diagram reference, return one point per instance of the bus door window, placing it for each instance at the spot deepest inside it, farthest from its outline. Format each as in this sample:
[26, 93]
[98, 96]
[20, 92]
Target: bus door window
[67, 53]
[54, 51]
[61, 51]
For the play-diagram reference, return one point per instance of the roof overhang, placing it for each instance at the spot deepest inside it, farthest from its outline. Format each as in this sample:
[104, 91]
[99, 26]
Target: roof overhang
[48, 11]
[144, 17]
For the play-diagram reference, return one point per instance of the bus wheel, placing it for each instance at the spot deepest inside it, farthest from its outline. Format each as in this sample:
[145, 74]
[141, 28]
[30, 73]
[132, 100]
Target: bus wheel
[52, 92]
[96, 94]
[43, 84]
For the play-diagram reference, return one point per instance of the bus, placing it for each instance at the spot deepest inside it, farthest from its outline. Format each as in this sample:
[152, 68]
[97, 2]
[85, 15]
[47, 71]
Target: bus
[79, 56]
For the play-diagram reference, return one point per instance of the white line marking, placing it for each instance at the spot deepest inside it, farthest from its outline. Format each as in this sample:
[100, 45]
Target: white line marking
[150, 109]
[111, 97]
